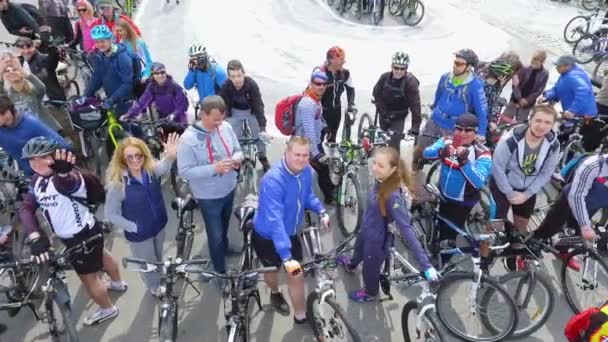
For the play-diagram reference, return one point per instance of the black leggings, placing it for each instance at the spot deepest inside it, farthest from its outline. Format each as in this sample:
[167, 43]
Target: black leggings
[332, 117]
[457, 214]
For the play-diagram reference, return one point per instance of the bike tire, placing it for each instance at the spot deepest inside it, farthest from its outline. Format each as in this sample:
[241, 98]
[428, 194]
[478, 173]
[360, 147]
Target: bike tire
[580, 29]
[409, 11]
[590, 5]
[189, 238]
[600, 68]
[317, 323]
[365, 122]
[485, 282]
[167, 326]
[178, 185]
[568, 293]
[395, 7]
[583, 44]
[341, 211]
[432, 335]
[522, 280]
[432, 176]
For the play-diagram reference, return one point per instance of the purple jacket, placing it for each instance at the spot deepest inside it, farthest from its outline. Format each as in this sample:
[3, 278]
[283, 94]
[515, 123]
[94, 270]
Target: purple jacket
[169, 98]
[375, 227]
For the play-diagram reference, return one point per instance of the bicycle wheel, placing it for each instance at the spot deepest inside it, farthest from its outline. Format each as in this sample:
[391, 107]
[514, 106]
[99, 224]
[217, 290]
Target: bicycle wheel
[413, 12]
[60, 321]
[167, 323]
[184, 249]
[395, 7]
[334, 325]
[601, 69]
[350, 205]
[586, 48]
[247, 185]
[428, 330]
[179, 185]
[365, 122]
[587, 287]
[432, 176]
[455, 304]
[534, 302]
[576, 28]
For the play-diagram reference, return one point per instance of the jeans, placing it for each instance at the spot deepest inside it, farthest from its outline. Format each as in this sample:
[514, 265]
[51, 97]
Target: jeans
[150, 250]
[216, 215]
[236, 121]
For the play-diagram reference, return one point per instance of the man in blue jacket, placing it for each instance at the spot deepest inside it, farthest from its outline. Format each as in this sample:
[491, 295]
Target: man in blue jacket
[466, 167]
[112, 69]
[458, 92]
[286, 191]
[16, 129]
[203, 73]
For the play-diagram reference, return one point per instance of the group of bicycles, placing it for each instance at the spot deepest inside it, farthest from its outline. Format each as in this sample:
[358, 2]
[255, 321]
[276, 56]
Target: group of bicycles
[410, 11]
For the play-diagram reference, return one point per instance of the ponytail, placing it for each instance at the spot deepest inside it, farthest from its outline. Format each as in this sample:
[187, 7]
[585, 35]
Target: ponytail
[402, 177]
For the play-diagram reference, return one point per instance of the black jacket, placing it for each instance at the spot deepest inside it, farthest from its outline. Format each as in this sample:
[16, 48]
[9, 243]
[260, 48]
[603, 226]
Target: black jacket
[15, 18]
[394, 98]
[43, 66]
[251, 92]
[337, 83]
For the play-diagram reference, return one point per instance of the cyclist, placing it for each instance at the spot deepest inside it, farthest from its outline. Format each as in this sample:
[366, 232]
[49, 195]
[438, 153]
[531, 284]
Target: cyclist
[339, 79]
[244, 103]
[135, 200]
[586, 193]
[523, 163]
[528, 84]
[309, 123]
[203, 73]
[17, 20]
[164, 95]
[495, 75]
[389, 201]
[458, 92]
[83, 27]
[54, 189]
[466, 166]
[395, 94]
[55, 14]
[109, 17]
[286, 186]
[112, 69]
[208, 158]
[17, 128]
[135, 44]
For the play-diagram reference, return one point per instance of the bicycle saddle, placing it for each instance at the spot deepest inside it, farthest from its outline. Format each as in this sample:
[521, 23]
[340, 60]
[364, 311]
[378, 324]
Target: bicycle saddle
[183, 204]
[245, 212]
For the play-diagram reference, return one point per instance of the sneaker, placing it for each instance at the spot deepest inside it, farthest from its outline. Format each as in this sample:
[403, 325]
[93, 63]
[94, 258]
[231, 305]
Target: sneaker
[361, 296]
[116, 286]
[101, 315]
[344, 261]
[572, 264]
[279, 303]
[300, 321]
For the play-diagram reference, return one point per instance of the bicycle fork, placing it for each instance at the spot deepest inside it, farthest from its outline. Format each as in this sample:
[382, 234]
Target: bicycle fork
[477, 273]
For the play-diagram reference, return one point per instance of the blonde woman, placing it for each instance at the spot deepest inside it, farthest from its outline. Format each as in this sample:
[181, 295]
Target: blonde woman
[83, 26]
[25, 90]
[135, 202]
[134, 44]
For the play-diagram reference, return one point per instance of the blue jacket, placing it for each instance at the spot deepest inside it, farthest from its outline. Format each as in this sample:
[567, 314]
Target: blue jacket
[115, 74]
[283, 198]
[144, 204]
[144, 55]
[208, 82]
[452, 101]
[462, 183]
[26, 127]
[575, 92]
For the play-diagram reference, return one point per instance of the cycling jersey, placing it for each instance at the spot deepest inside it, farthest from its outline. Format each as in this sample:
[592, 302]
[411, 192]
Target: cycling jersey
[593, 169]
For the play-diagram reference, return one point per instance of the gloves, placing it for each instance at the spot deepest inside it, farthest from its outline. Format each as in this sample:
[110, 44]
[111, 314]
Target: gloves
[431, 274]
[191, 65]
[321, 158]
[62, 166]
[463, 157]
[293, 267]
[413, 132]
[107, 104]
[40, 248]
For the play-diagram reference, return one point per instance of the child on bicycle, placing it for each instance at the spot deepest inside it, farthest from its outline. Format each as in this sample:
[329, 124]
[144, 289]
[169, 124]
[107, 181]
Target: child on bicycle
[389, 201]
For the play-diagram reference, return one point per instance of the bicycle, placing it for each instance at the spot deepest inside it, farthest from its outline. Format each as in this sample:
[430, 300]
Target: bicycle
[581, 25]
[56, 296]
[184, 208]
[237, 295]
[573, 146]
[593, 5]
[247, 173]
[88, 120]
[168, 297]
[411, 11]
[75, 64]
[589, 48]
[326, 317]
[244, 214]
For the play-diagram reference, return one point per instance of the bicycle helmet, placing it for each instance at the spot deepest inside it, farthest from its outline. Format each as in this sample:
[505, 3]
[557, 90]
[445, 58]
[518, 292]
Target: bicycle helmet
[196, 50]
[101, 32]
[501, 68]
[401, 58]
[39, 146]
[335, 52]
[468, 55]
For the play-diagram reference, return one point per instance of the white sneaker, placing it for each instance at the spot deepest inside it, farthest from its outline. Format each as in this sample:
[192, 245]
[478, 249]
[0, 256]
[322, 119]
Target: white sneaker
[116, 287]
[101, 315]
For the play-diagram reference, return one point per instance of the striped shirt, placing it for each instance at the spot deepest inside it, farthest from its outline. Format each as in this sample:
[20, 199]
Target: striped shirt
[590, 170]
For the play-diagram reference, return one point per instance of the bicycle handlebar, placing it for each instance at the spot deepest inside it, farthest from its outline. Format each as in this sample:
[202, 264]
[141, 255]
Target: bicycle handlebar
[187, 266]
[245, 274]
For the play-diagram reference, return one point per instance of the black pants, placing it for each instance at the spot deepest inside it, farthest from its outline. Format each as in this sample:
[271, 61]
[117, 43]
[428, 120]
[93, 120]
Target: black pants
[332, 117]
[327, 187]
[457, 214]
[394, 125]
[54, 91]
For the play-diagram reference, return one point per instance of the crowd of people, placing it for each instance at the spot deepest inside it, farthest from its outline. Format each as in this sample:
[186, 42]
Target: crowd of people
[466, 109]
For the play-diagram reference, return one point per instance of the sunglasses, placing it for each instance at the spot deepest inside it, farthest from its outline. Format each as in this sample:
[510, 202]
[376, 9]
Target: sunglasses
[80, 10]
[320, 84]
[457, 63]
[134, 157]
[396, 68]
[162, 72]
[464, 129]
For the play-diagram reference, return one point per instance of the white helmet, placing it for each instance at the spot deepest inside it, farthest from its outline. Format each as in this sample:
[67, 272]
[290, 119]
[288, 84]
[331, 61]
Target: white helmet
[197, 49]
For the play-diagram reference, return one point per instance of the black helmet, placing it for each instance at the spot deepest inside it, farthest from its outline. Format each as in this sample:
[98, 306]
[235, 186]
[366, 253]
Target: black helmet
[39, 146]
[468, 55]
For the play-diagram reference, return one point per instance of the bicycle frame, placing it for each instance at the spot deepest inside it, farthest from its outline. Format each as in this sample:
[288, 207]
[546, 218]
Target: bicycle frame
[112, 124]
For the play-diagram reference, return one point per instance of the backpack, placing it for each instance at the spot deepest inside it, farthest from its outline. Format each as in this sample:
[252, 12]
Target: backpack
[96, 193]
[589, 325]
[285, 114]
[462, 92]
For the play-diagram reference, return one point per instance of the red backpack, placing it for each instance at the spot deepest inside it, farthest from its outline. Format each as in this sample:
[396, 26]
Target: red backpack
[285, 114]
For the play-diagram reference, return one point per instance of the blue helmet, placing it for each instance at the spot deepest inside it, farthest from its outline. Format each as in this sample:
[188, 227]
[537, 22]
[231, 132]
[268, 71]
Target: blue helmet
[101, 32]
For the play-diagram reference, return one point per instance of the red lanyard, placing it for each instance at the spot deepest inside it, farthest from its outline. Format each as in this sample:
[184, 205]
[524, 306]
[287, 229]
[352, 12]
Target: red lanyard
[210, 150]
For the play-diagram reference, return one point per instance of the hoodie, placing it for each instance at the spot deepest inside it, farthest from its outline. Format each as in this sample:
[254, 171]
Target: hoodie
[199, 150]
[25, 127]
[508, 159]
[574, 91]
[169, 98]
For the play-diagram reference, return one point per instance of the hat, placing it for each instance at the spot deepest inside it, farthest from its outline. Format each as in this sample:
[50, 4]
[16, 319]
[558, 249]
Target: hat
[23, 40]
[320, 74]
[106, 3]
[467, 120]
[565, 60]
[156, 66]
